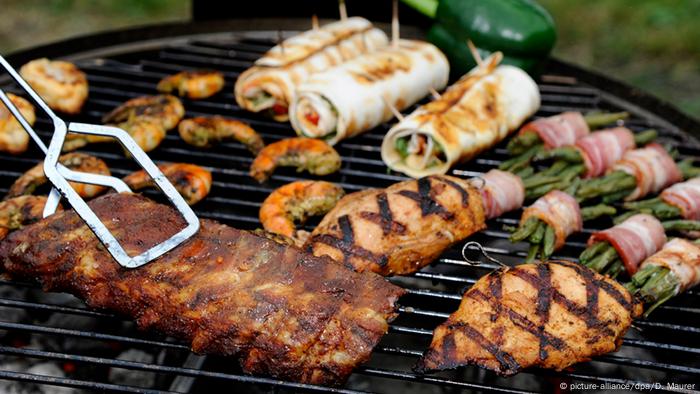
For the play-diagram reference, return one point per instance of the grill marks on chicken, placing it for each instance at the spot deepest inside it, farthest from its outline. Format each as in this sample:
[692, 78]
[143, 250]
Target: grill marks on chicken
[282, 311]
[550, 315]
[400, 229]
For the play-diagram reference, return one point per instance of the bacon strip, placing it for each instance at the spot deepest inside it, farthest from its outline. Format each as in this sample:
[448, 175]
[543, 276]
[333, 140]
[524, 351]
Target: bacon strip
[602, 149]
[635, 239]
[559, 210]
[653, 168]
[560, 130]
[686, 197]
[681, 257]
[501, 192]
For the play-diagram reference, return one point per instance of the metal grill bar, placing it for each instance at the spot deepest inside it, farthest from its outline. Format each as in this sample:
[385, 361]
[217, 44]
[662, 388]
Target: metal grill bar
[164, 369]
[668, 341]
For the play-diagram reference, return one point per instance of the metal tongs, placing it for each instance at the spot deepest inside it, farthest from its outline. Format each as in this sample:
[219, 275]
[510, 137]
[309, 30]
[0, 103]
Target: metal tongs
[59, 175]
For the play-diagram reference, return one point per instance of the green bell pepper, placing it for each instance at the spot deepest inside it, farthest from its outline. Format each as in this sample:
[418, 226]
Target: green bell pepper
[521, 29]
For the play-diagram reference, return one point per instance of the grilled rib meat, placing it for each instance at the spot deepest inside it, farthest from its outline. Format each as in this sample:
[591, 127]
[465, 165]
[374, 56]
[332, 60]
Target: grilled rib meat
[400, 229]
[550, 315]
[282, 311]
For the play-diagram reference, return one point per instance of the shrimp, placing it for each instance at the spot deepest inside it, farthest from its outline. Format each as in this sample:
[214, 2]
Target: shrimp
[147, 120]
[20, 211]
[163, 109]
[193, 84]
[61, 84]
[35, 177]
[297, 201]
[312, 155]
[192, 181]
[205, 131]
[13, 138]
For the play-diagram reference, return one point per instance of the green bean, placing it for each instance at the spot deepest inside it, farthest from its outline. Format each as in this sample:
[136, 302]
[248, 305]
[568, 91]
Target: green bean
[633, 205]
[644, 137]
[595, 120]
[574, 184]
[614, 197]
[510, 229]
[521, 160]
[542, 190]
[568, 154]
[688, 170]
[573, 171]
[548, 244]
[644, 274]
[522, 142]
[590, 213]
[532, 252]
[655, 285]
[600, 262]
[681, 225]
[665, 211]
[556, 167]
[524, 172]
[538, 234]
[536, 180]
[613, 183]
[615, 268]
[592, 251]
[525, 230]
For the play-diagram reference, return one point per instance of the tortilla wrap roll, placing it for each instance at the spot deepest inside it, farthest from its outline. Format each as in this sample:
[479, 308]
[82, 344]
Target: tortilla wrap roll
[269, 85]
[471, 116]
[352, 98]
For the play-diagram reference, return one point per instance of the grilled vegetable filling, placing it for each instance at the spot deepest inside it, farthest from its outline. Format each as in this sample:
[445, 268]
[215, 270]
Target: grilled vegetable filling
[420, 150]
[262, 100]
[317, 116]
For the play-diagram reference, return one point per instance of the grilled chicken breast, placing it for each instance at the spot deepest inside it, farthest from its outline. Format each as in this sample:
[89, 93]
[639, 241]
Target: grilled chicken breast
[282, 311]
[550, 315]
[400, 229]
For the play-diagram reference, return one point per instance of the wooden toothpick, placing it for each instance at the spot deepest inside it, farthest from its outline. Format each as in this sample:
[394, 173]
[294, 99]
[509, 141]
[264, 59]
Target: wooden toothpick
[314, 22]
[475, 53]
[393, 109]
[343, 10]
[434, 93]
[280, 41]
[395, 24]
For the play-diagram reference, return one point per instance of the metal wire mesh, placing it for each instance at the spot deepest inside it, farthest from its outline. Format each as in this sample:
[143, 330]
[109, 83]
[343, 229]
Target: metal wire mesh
[663, 348]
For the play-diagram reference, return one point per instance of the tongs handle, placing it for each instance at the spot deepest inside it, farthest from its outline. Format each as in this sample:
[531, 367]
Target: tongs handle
[54, 197]
[58, 123]
[59, 176]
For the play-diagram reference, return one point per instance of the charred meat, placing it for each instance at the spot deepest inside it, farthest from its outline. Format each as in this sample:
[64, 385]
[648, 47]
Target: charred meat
[400, 229]
[281, 311]
[549, 315]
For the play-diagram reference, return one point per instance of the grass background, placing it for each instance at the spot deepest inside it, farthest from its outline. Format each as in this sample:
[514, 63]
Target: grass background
[652, 44]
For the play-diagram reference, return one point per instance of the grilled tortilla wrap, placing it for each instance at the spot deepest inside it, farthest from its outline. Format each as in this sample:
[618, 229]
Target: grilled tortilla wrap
[473, 115]
[352, 98]
[269, 84]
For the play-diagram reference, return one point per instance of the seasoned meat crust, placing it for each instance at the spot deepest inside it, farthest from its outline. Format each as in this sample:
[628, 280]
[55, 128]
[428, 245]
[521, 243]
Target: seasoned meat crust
[400, 229]
[282, 311]
[550, 315]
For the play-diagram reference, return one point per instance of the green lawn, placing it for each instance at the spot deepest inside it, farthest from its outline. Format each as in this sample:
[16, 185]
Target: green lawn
[653, 44]
[29, 22]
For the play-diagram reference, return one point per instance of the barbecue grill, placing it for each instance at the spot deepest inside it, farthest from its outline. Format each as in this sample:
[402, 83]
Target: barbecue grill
[127, 64]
